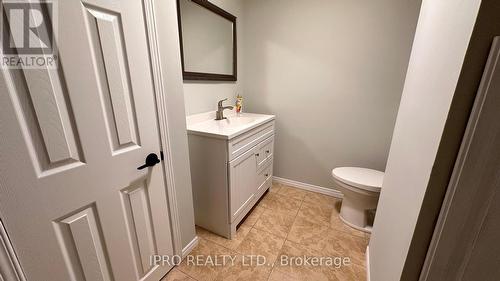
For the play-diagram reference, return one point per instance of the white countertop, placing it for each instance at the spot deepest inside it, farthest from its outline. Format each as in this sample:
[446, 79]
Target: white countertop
[205, 124]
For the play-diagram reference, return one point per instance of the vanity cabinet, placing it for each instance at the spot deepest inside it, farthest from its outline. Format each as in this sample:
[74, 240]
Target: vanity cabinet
[229, 175]
[249, 175]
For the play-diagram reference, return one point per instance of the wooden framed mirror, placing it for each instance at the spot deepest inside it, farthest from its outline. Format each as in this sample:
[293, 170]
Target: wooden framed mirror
[207, 36]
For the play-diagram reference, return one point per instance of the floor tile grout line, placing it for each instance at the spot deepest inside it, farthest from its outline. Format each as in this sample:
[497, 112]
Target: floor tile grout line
[335, 229]
[285, 239]
[178, 268]
[253, 227]
[209, 241]
[303, 202]
[261, 229]
[329, 227]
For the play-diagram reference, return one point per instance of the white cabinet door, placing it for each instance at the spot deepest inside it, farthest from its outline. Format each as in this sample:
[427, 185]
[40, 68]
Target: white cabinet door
[71, 198]
[242, 181]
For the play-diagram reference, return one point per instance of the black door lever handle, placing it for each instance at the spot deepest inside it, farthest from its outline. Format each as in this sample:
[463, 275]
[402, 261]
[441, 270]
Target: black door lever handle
[151, 160]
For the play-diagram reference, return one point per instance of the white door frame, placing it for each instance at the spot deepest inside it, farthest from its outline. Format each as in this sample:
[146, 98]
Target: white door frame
[161, 105]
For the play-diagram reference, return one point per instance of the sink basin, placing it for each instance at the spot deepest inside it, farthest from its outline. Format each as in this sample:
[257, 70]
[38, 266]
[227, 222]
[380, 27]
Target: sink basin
[205, 124]
[235, 121]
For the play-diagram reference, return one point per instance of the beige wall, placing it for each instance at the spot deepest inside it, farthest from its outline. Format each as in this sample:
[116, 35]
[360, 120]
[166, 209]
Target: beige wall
[203, 96]
[438, 52]
[332, 71]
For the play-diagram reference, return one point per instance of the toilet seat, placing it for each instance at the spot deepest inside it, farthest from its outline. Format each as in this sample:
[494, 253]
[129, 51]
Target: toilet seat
[362, 178]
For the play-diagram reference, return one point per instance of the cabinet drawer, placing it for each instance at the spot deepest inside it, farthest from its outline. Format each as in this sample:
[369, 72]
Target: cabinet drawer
[240, 144]
[265, 151]
[264, 178]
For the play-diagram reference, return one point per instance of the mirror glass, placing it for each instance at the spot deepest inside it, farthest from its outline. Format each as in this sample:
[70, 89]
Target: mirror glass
[207, 40]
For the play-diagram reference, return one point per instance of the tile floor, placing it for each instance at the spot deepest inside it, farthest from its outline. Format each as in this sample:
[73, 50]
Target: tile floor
[287, 222]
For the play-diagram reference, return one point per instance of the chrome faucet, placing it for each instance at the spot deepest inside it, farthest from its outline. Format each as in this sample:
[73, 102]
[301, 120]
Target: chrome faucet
[220, 110]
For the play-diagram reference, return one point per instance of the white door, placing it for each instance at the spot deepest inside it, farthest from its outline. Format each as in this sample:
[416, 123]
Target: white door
[465, 241]
[72, 200]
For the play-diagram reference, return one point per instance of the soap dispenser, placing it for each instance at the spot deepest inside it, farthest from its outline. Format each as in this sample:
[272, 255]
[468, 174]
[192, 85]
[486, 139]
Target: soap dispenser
[239, 104]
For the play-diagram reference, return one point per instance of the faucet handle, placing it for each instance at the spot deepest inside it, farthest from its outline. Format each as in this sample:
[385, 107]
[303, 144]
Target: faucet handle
[221, 101]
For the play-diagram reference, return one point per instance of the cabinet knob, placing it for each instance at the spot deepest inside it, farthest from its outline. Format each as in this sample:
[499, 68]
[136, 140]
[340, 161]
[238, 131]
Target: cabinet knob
[267, 151]
[257, 154]
[267, 175]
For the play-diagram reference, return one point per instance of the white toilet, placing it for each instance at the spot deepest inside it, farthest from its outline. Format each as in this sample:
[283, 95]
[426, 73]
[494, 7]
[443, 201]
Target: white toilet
[361, 189]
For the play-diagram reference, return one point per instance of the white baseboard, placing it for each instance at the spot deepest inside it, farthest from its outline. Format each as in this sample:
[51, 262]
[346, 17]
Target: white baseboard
[308, 187]
[367, 263]
[189, 247]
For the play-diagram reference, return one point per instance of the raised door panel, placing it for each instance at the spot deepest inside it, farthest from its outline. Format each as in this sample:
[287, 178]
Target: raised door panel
[137, 205]
[80, 239]
[44, 110]
[242, 182]
[106, 34]
[10, 269]
[55, 121]
[45, 115]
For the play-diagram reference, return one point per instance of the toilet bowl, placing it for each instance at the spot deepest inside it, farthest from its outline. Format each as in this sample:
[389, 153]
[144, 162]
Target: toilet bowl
[361, 189]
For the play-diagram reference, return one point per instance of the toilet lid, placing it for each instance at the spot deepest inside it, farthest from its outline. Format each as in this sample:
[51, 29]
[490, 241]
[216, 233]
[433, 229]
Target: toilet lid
[363, 178]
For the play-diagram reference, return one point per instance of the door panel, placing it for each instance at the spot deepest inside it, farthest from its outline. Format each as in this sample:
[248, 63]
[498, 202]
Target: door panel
[52, 139]
[11, 269]
[465, 242]
[58, 135]
[71, 197]
[79, 236]
[105, 32]
[138, 211]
